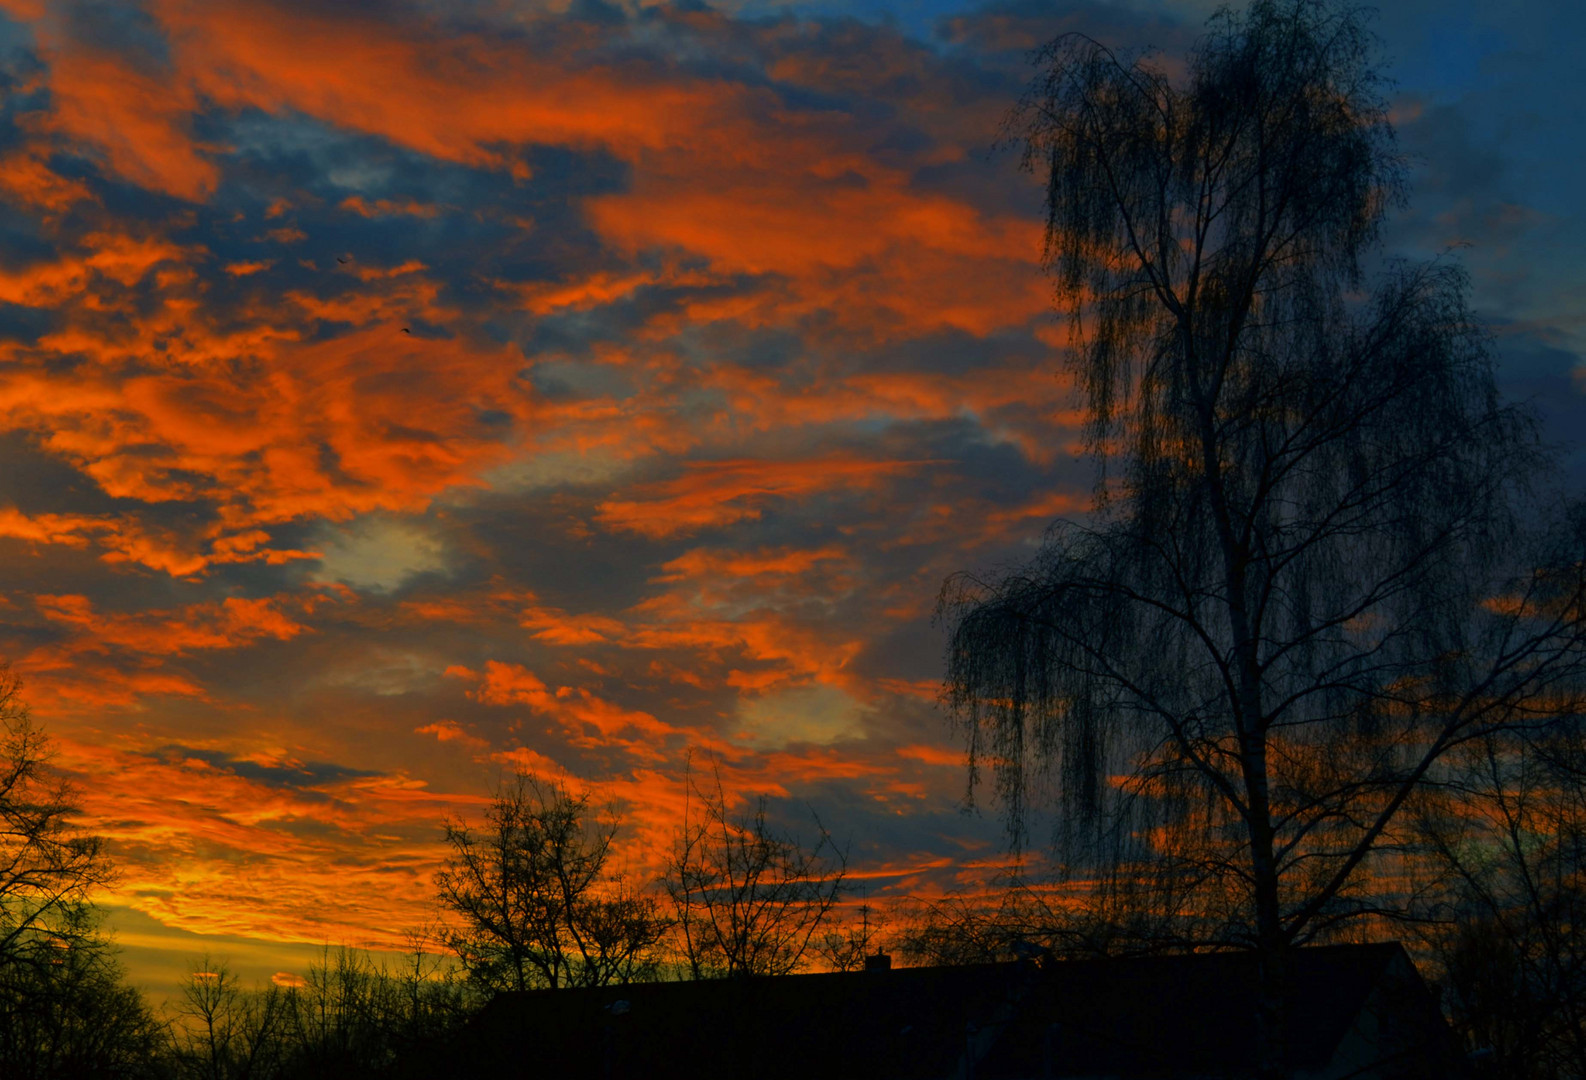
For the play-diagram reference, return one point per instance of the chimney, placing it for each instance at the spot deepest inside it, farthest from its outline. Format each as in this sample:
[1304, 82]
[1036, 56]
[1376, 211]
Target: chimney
[878, 962]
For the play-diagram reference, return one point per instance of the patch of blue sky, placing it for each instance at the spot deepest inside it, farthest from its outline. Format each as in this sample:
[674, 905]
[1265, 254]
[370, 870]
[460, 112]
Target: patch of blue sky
[917, 18]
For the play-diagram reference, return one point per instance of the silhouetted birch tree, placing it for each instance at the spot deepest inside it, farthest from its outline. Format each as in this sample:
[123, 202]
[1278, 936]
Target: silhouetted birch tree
[1317, 562]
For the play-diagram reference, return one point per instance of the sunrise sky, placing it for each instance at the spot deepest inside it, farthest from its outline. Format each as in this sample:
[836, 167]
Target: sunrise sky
[398, 394]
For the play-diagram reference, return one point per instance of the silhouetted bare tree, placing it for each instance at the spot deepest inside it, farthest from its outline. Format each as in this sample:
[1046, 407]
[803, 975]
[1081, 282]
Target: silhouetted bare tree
[63, 1009]
[1509, 836]
[852, 939]
[74, 1016]
[47, 867]
[1115, 914]
[1310, 572]
[351, 1017]
[536, 900]
[749, 899]
[226, 1032]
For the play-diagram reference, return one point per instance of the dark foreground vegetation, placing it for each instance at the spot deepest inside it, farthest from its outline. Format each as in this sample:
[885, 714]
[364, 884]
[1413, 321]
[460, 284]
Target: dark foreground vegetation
[1313, 669]
[1488, 906]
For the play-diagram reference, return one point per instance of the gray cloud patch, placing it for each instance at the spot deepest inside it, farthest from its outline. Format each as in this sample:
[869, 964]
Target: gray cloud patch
[304, 776]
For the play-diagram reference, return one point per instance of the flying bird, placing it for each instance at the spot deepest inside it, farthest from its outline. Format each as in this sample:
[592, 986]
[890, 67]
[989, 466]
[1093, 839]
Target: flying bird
[342, 260]
[405, 330]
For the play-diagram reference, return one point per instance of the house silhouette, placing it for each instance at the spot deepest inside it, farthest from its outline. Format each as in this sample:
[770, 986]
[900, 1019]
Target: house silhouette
[1360, 1012]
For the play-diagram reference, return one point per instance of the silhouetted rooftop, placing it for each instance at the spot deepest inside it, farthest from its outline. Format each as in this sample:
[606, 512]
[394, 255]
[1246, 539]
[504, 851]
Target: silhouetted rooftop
[1142, 1017]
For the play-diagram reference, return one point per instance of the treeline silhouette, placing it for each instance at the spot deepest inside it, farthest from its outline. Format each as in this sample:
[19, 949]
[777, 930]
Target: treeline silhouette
[530, 898]
[350, 1015]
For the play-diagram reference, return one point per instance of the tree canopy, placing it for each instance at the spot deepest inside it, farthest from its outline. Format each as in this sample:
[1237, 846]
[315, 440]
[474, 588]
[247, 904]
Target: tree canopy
[534, 900]
[1319, 559]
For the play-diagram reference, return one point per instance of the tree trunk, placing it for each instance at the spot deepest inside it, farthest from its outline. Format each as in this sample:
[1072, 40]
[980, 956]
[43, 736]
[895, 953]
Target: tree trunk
[1272, 966]
[1272, 944]
[1273, 984]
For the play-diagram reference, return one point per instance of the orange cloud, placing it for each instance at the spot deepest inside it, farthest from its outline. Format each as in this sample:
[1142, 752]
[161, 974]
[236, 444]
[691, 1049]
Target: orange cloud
[27, 179]
[760, 275]
[723, 565]
[524, 760]
[243, 269]
[231, 623]
[716, 493]
[857, 245]
[456, 96]
[208, 848]
[559, 628]
[373, 420]
[357, 204]
[451, 731]
[72, 530]
[796, 194]
[933, 755]
[138, 121]
[756, 649]
[590, 720]
[106, 258]
[124, 540]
